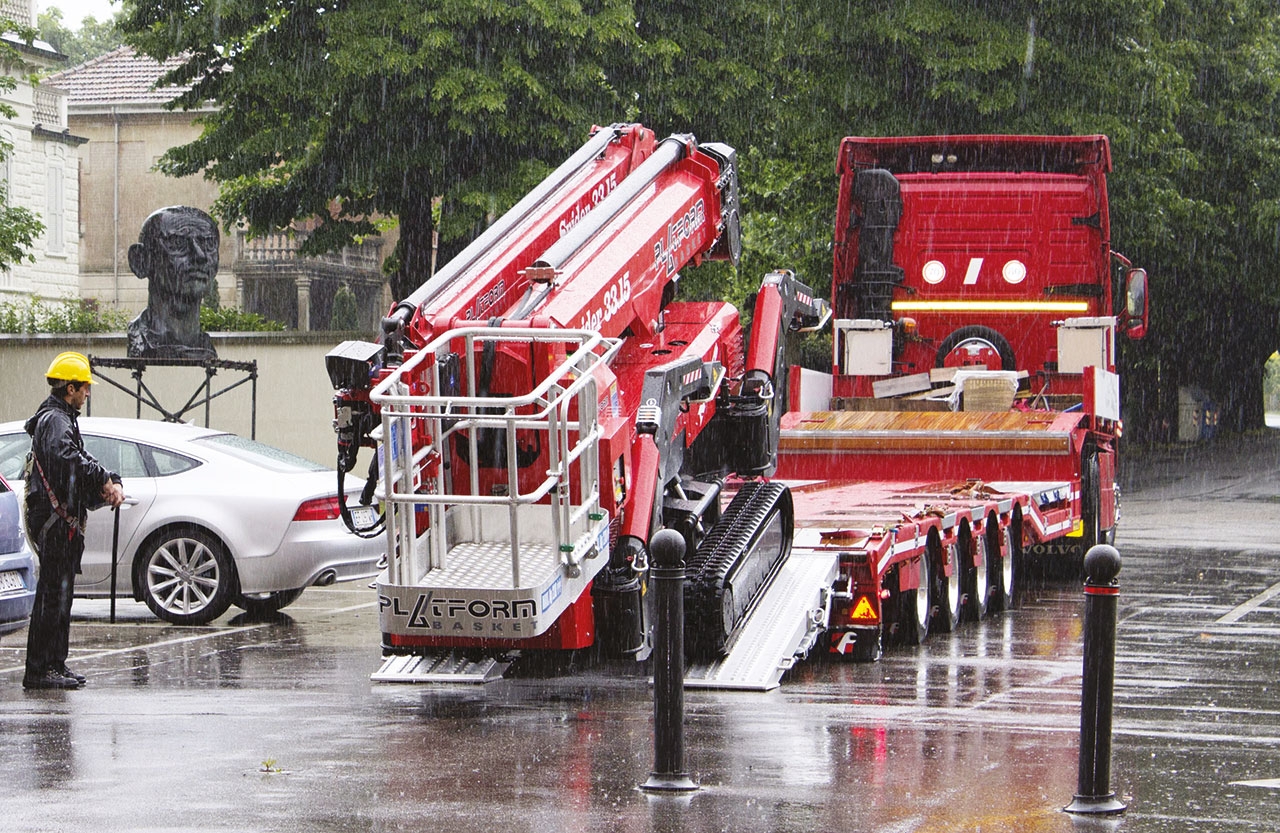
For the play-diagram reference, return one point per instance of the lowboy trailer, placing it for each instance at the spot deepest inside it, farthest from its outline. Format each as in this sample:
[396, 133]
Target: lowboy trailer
[972, 412]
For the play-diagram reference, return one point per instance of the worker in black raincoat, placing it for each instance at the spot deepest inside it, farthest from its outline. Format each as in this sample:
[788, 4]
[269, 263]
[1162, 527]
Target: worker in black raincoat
[63, 483]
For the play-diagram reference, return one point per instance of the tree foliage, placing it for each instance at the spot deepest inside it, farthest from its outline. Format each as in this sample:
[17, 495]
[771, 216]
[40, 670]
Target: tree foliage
[346, 313]
[347, 111]
[19, 226]
[235, 320]
[92, 39]
[1218, 298]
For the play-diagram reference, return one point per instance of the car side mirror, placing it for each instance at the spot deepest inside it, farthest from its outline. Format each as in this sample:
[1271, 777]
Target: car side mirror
[1137, 304]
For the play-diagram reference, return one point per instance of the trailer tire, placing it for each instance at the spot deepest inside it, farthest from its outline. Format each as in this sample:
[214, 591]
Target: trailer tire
[1091, 505]
[946, 598]
[866, 646]
[979, 335]
[911, 607]
[1008, 561]
[976, 577]
[1110, 535]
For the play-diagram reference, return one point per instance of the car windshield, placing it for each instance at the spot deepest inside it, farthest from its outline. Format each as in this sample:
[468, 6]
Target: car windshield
[13, 450]
[259, 454]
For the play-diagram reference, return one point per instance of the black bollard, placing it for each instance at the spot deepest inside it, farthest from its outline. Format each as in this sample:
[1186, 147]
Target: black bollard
[1101, 597]
[667, 577]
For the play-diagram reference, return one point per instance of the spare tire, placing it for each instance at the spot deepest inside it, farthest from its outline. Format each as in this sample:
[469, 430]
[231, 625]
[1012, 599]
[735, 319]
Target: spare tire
[977, 337]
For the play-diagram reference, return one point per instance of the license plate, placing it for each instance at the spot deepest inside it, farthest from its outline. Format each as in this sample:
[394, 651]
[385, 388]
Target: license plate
[363, 516]
[11, 580]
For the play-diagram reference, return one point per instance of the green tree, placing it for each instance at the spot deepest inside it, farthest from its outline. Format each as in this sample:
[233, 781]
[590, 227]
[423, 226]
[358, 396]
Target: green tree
[19, 227]
[739, 73]
[345, 316]
[1186, 92]
[1218, 300]
[350, 111]
[347, 111]
[92, 39]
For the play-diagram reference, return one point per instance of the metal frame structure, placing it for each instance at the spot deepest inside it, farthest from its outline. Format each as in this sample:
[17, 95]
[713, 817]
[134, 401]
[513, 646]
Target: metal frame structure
[203, 394]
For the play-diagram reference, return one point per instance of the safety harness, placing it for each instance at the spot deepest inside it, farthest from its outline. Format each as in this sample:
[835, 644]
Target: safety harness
[59, 511]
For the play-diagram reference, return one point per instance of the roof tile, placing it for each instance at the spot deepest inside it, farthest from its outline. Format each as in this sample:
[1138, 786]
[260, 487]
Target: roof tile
[119, 77]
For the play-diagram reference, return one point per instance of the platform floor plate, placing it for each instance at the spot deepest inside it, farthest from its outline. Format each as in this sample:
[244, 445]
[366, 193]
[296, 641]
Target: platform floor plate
[439, 667]
[777, 629]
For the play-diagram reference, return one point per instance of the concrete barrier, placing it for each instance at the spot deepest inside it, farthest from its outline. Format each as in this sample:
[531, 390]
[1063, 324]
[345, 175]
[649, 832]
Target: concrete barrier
[294, 407]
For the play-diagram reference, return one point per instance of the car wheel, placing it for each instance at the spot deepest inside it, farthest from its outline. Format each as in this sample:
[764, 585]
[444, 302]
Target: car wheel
[185, 575]
[265, 604]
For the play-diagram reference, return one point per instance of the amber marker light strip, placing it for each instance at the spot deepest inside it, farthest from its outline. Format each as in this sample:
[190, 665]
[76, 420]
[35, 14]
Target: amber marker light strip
[990, 306]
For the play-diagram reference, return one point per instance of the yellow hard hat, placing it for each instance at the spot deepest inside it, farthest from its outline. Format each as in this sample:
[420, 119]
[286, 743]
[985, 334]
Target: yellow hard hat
[69, 367]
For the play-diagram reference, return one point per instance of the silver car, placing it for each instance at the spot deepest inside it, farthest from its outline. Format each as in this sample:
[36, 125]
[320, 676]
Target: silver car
[216, 519]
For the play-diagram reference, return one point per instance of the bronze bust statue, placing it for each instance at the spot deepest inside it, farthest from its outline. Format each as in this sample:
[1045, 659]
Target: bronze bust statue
[177, 254]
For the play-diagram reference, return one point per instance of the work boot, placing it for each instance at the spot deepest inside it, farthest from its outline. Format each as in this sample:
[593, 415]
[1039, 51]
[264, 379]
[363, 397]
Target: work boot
[70, 675]
[49, 679]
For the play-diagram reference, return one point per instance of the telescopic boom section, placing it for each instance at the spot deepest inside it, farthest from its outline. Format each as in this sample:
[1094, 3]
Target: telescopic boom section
[612, 272]
[489, 275]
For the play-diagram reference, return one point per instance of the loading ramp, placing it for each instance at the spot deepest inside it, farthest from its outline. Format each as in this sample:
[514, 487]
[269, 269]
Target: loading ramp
[783, 627]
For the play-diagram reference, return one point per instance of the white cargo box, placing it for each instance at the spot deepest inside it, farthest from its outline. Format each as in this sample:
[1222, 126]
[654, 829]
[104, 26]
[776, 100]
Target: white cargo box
[1086, 342]
[865, 346]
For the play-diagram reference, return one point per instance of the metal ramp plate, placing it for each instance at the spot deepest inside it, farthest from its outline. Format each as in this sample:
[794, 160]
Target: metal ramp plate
[776, 632]
[439, 667]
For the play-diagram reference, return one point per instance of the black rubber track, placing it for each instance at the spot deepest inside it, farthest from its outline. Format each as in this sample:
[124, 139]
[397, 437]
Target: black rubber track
[734, 565]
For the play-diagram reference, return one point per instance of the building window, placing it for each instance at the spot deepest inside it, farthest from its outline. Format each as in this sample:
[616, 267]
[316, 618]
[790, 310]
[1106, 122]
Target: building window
[6, 167]
[54, 223]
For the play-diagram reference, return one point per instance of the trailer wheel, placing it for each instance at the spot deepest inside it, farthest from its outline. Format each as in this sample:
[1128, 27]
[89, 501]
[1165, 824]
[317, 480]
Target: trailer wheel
[911, 607]
[1091, 505]
[1007, 560]
[946, 601]
[1109, 536]
[976, 577]
[866, 646]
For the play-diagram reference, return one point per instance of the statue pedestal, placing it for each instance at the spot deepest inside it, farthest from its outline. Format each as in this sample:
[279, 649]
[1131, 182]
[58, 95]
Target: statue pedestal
[204, 391]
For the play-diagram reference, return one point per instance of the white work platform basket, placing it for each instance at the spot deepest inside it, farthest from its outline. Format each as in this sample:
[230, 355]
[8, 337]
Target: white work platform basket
[503, 552]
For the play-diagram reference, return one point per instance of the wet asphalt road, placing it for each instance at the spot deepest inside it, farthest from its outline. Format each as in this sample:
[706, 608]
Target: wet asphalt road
[274, 726]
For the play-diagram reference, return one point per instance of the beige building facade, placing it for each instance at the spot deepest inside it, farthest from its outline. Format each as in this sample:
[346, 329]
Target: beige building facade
[41, 171]
[114, 105]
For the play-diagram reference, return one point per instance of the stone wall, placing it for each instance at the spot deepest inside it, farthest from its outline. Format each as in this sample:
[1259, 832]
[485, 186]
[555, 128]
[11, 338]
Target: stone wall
[294, 398]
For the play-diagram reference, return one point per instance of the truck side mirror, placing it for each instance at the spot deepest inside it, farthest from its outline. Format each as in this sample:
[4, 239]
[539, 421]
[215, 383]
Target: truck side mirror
[1136, 306]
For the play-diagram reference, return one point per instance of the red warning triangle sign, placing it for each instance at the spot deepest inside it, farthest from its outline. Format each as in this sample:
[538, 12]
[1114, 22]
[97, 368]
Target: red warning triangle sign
[863, 609]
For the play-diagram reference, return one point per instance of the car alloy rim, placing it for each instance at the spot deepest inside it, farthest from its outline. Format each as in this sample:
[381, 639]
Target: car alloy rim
[183, 575]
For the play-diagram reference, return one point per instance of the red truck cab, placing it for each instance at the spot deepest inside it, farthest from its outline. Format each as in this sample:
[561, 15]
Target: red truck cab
[974, 250]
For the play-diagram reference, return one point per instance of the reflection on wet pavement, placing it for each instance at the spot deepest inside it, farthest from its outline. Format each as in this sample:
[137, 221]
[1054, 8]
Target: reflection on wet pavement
[275, 726]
